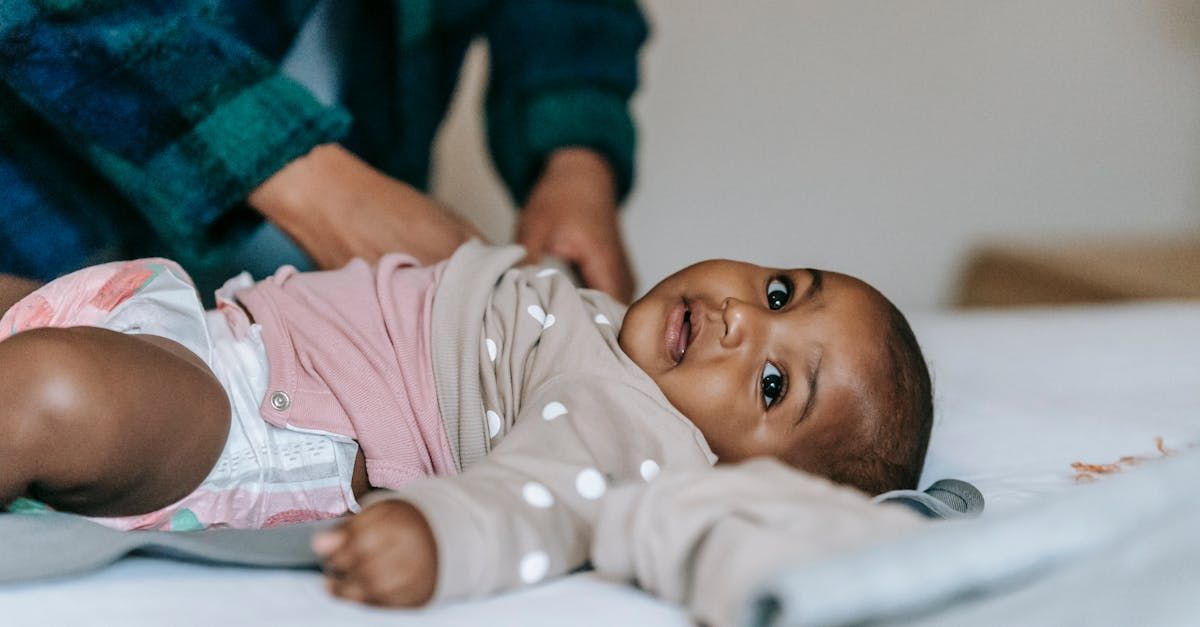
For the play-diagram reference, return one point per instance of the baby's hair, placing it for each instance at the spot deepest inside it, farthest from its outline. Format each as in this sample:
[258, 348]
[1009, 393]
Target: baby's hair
[891, 454]
[905, 439]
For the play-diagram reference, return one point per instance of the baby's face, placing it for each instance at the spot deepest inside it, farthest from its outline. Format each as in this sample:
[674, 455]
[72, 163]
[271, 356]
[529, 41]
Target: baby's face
[763, 361]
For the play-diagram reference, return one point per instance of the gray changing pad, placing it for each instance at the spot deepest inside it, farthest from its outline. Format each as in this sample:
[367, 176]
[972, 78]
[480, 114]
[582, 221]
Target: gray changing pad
[51, 544]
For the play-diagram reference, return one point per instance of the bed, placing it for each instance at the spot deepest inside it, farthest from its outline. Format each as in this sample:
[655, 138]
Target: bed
[1034, 407]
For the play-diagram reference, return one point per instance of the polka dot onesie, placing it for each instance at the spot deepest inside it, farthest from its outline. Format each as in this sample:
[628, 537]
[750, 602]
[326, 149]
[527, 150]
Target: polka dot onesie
[544, 413]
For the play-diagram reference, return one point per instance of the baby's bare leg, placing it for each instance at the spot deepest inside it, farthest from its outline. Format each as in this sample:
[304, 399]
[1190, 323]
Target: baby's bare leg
[106, 424]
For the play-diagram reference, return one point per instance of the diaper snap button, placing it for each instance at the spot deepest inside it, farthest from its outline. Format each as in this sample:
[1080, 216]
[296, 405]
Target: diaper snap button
[280, 401]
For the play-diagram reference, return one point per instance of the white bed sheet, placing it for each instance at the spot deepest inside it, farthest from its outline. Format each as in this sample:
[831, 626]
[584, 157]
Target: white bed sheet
[1020, 395]
[151, 592]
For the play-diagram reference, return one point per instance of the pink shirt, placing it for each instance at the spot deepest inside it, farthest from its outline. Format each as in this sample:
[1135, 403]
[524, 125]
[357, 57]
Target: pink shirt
[349, 354]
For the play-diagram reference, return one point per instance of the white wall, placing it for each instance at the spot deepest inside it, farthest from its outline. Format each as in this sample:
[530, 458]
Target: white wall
[885, 138]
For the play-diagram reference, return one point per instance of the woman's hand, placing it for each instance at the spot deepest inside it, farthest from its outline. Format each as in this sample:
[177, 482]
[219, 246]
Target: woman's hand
[336, 207]
[385, 555]
[572, 214]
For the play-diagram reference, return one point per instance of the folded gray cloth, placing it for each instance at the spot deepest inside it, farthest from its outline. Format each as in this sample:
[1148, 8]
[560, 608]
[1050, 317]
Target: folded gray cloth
[52, 544]
[946, 498]
[1108, 553]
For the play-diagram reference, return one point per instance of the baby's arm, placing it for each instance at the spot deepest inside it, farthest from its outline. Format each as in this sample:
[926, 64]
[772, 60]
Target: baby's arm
[523, 514]
[706, 539]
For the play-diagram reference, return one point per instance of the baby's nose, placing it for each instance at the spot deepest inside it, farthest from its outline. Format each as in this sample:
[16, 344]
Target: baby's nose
[734, 314]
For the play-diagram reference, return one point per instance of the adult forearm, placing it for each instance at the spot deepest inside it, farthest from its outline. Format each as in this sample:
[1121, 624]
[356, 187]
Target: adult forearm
[203, 115]
[562, 73]
[337, 207]
[577, 162]
[13, 289]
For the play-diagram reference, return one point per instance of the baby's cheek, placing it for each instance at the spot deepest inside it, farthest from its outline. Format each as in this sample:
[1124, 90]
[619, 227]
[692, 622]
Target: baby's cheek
[710, 400]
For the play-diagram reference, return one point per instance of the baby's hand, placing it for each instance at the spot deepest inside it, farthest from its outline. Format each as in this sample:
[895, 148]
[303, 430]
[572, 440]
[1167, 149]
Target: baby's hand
[385, 555]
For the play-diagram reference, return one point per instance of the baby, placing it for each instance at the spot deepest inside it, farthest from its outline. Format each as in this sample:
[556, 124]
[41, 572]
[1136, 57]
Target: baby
[497, 405]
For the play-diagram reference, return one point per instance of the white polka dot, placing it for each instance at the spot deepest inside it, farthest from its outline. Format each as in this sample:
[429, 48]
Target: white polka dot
[493, 423]
[539, 314]
[534, 566]
[553, 410]
[590, 483]
[491, 346]
[537, 495]
[547, 272]
[601, 319]
[649, 469]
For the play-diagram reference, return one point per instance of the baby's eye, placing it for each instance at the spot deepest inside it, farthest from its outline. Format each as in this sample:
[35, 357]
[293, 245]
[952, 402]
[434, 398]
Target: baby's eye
[772, 384]
[779, 292]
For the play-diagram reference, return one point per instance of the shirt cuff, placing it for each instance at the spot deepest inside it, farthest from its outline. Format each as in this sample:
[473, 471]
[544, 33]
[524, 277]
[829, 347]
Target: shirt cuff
[579, 117]
[198, 185]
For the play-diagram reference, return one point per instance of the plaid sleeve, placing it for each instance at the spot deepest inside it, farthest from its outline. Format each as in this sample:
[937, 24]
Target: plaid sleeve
[562, 75]
[181, 116]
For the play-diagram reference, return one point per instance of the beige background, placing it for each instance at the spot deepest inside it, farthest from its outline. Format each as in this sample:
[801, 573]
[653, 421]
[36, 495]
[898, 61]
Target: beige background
[885, 138]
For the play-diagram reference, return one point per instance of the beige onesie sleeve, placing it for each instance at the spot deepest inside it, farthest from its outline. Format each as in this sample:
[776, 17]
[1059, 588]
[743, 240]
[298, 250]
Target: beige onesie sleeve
[706, 538]
[527, 511]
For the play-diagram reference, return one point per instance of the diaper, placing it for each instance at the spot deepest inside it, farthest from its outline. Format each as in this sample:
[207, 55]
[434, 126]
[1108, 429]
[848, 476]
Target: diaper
[266, 476]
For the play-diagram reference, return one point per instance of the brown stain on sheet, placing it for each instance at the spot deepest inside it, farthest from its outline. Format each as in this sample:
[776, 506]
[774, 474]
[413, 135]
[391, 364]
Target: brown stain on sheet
[1090, 472]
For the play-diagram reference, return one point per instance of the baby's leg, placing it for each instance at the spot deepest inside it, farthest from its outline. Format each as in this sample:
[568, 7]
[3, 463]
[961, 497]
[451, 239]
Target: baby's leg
[105, 424]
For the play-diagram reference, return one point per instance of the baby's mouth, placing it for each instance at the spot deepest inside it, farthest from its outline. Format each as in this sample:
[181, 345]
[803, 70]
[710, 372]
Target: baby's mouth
[683, 335]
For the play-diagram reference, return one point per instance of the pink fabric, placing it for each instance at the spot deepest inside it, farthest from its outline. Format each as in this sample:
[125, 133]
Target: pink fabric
[351, 350]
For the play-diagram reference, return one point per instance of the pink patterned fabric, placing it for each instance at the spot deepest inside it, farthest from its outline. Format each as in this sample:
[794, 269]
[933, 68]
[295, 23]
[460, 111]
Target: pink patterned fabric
[265, 476]
[349, 354]
[87, 299]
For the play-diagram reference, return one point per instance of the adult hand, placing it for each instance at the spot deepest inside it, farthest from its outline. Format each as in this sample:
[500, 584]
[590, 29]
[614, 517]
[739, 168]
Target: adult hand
[385, 555]
[336, 207]
[572, 213]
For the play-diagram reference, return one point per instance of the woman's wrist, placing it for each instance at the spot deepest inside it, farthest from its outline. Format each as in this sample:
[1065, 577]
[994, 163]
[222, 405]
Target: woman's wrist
[13, 289]
[311, 199]
[289, 194]
[580, 164]
[337, 207]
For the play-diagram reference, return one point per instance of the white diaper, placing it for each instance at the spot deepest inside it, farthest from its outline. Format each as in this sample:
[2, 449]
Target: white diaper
[266, 476]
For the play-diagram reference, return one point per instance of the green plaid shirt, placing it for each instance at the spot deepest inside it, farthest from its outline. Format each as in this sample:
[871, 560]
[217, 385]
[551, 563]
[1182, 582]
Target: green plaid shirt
[131, 128]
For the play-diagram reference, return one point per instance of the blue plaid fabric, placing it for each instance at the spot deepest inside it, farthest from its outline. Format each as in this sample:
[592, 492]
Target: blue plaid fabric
[134, 128]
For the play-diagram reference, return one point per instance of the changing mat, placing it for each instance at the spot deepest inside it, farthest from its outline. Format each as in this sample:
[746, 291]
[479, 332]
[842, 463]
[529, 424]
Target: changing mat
[44, 545]
[52, 544]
